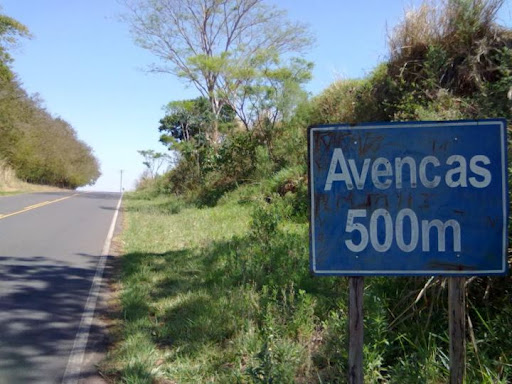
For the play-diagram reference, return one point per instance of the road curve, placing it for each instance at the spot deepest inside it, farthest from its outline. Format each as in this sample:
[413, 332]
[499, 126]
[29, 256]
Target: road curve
[50, 246]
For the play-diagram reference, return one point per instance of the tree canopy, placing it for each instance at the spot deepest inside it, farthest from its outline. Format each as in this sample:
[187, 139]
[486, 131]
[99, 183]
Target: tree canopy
[185, 119]
[41, 148]
[10, 32]
[213, 44]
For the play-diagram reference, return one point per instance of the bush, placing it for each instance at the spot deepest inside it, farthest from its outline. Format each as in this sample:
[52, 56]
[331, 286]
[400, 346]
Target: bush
[236, 155]
[290, 187]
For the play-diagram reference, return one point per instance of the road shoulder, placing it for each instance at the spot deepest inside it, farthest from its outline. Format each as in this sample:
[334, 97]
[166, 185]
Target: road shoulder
[102, 330]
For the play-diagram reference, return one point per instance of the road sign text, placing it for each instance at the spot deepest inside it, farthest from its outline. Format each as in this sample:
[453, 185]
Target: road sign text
[421, 198]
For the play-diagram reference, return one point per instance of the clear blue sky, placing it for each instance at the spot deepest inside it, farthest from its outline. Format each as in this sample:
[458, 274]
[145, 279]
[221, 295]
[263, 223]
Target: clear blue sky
[85, 66]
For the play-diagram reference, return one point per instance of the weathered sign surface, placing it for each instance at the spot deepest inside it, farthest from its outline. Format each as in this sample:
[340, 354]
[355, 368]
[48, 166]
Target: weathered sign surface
[425, 198]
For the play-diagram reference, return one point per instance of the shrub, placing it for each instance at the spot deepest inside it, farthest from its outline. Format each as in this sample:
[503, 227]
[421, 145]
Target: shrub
[453, 47]
[337, 103]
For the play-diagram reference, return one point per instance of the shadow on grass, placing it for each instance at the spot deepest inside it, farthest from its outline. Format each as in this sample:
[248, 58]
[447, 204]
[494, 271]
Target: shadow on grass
[168, 206]
[184, 296]
[195, 297]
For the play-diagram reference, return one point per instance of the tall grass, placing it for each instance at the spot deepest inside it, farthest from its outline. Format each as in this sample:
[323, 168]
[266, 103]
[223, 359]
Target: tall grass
[223, 294]
[454, 24]
[450, 55]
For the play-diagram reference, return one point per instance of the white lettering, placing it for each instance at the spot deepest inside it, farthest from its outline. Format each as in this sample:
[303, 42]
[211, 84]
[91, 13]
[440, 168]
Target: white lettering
[429, 183]
[382, 172]
[360, 179]
[388, 230]
[399, 230]
[381, 233]
[378, 173]
[441, 234]
[332, 176]
[461, 170]
[399, 162]
[358, 227]
[480, 171]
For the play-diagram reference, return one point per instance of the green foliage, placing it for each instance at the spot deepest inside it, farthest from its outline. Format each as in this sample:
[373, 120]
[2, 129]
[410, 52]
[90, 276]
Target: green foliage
[235, 157]
[241, 61]
[227, 289]
[223, 48]
[41, 148]
[290, 184]
[10, 31]
[188, 119]
[47, 151]
[269, 93]
[153, 161]
[337, 103]
[253, 312]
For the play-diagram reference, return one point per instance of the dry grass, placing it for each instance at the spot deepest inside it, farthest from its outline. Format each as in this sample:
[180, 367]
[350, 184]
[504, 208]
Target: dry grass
[442, 22]
[450, 44]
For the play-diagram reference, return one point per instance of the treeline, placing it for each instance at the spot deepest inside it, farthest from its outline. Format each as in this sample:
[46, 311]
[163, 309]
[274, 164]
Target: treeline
[39, 147]
[447, 61]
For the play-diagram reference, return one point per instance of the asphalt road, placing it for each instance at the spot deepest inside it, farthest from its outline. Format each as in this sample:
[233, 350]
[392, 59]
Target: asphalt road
[50, 246]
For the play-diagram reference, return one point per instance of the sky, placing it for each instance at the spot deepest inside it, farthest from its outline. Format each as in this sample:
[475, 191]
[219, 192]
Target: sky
[84, 64]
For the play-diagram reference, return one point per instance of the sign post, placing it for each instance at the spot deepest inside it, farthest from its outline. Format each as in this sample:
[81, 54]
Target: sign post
[457, 328]
[355, 329]
[409, 199]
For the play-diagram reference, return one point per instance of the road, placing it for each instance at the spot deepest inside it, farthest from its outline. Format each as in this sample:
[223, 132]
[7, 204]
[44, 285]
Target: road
[50, 247]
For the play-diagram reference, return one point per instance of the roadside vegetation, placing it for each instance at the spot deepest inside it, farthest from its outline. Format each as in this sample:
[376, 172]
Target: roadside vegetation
[215, 285]
[36, 146]
[10, 184]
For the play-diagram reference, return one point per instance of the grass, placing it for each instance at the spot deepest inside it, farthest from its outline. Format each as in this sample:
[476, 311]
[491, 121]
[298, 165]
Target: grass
[176, 320]
[2, 193]
[200, 305]
[23, 187]
[223, 295]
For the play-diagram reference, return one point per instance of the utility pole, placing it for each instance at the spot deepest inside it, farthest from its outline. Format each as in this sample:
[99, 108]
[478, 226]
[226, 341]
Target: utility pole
[121, 182]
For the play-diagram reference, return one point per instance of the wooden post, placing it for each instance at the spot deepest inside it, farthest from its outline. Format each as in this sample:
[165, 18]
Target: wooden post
[457, 328]
[355, 331]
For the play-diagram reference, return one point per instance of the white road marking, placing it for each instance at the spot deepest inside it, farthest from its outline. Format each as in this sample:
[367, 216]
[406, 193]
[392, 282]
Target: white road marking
[74, 366]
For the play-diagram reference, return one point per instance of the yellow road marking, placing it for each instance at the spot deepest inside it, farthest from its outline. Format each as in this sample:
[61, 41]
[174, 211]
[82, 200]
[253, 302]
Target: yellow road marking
[35, 206]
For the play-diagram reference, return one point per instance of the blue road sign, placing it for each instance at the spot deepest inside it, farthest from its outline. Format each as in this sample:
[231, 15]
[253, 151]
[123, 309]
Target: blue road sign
[422, 198]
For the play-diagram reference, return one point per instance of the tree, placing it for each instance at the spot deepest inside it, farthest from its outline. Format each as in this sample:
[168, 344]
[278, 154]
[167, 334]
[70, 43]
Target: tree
[10, 91]
[185, 119]
[153, 161]
[270, 92]
[39, 147]
[211, 43]
[10, 31]
[184, 128]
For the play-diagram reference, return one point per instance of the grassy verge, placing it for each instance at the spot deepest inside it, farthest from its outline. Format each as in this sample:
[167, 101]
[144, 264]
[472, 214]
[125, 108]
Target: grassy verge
[223, 295]
[2, 193]
[192, 313]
